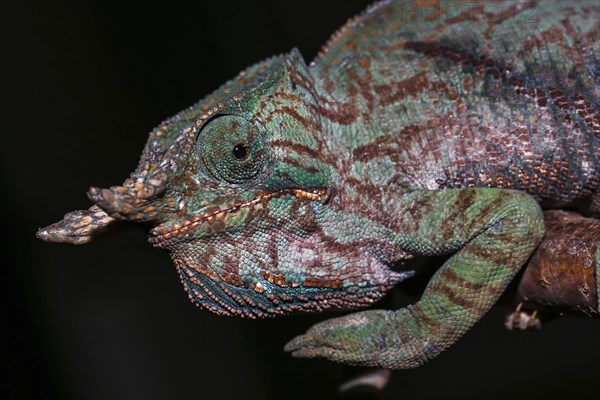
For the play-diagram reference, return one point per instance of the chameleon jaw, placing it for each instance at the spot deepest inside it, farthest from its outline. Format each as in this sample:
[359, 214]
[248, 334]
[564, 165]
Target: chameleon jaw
[191, 224]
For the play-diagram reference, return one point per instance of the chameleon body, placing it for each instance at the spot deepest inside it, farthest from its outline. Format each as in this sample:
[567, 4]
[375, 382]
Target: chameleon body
[421, 129]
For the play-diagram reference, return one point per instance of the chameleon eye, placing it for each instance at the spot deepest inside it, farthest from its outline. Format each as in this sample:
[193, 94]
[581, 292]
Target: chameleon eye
[232, 149]
[240, 151]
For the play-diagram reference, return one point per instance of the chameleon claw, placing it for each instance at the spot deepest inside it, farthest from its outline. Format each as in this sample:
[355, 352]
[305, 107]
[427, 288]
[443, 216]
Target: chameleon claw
[306, 346]
[298, 346]
[318, 341]
[522, 320]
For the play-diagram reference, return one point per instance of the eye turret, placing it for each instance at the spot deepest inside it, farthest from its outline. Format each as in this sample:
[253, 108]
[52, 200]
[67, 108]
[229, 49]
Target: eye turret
[233, 149]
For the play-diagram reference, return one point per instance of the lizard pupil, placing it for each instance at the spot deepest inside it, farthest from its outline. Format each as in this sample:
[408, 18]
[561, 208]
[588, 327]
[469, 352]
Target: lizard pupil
[240, 151]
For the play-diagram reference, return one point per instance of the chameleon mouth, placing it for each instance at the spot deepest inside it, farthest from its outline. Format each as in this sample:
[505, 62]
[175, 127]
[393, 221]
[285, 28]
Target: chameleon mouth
[192, 223]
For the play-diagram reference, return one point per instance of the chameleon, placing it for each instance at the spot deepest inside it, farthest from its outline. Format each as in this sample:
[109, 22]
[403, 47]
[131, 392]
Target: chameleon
[421, 129]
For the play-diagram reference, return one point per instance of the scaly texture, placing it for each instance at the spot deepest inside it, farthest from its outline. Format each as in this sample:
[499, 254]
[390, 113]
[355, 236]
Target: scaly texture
[421, 129]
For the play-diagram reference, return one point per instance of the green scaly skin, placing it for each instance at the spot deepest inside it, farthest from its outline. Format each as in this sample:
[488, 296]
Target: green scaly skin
[418, 131]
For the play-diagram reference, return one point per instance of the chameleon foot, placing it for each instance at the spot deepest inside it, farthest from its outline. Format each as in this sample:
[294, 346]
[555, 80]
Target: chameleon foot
[522, 320]
[357, 338]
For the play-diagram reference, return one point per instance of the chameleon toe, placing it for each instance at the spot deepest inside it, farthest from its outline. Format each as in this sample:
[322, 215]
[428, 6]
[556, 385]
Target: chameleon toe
[305, 346]
[297, 345]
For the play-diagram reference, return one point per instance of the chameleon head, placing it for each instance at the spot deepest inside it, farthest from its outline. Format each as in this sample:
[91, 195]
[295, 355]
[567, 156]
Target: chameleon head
[238, 189]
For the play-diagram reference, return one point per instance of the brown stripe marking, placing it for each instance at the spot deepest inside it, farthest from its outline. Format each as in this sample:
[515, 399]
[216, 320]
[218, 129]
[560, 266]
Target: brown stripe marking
[485, 65]
[396, 91]
[319, 153]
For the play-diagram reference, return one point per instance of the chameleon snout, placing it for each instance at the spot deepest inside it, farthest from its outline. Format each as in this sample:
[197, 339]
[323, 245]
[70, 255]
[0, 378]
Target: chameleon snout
[137, 202]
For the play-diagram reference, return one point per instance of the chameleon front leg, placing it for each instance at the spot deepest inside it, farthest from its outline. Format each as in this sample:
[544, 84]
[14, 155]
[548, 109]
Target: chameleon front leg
[491, 231]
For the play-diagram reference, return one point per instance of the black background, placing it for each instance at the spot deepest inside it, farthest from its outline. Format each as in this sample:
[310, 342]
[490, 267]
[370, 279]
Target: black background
[81, 84]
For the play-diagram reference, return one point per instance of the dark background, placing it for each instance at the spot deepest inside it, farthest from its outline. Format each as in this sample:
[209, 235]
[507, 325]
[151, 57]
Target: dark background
[81, 84]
